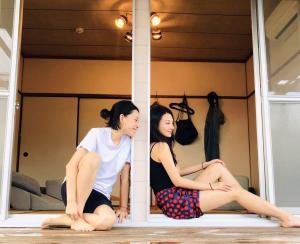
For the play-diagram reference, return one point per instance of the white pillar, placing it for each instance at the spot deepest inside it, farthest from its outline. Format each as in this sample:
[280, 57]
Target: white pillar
[140, 199]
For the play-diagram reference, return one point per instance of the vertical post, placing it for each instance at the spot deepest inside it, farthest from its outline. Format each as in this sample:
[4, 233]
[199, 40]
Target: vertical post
[258, 102]
[269, 174]
[11, 102]
[140, 190]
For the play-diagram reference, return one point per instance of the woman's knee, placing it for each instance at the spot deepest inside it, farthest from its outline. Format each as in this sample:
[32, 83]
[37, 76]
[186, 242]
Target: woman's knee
[91, 159]
[106, 222]
[216, 167]
[235, 192]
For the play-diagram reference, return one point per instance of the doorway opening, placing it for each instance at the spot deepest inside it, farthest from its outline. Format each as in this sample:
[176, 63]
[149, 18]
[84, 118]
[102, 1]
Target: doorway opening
[197, 49]
[74, 62]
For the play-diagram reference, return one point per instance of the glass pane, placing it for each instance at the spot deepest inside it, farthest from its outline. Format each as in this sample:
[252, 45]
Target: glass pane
[282, 30]
[6, 25]
[3, 102]
[286, 158]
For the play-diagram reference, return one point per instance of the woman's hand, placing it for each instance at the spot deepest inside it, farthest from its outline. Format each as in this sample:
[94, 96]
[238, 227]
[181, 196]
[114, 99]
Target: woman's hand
[214, 161]
[122, 214]
[220, 186]
[72, 210]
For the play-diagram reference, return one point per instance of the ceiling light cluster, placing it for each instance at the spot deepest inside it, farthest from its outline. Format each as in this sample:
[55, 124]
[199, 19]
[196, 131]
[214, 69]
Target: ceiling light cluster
[155, 20]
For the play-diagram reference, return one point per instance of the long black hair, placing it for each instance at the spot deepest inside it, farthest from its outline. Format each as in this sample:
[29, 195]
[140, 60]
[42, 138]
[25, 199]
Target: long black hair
[124, 107]
[156, 113]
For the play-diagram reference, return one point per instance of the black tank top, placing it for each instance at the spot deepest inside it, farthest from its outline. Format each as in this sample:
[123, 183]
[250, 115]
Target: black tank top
[159, 178]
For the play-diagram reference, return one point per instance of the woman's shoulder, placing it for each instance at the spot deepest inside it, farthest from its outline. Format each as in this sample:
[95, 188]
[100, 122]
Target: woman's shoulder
[99, 130]
[160, 146]
[127, 139]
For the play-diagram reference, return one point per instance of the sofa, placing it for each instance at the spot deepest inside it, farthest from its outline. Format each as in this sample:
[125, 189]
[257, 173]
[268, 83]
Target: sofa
[27, 194]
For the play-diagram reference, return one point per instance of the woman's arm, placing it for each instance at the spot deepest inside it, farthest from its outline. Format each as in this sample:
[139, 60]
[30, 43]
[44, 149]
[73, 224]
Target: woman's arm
[197, 167]
[124, 186]
[71, 175]
[122, 212]
[190, 169]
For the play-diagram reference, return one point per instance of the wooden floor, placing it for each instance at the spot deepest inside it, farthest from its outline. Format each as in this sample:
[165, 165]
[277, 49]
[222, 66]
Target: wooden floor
[153, 235]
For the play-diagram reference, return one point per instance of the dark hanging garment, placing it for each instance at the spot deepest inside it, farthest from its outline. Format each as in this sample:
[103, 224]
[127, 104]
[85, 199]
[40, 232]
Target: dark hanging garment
[214, 119]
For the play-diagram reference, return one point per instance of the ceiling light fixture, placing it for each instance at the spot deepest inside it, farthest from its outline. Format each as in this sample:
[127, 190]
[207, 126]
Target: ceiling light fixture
[128, 36]
[156, 35]
[154, 19]
[121, 21]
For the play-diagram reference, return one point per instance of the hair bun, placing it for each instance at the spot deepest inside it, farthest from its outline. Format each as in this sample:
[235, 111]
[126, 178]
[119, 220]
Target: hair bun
[105, 114]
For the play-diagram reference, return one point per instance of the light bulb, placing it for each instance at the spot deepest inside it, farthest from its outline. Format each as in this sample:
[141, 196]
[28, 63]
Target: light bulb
[155, 19]
[156, 35]
[121, 21]
[128, 36]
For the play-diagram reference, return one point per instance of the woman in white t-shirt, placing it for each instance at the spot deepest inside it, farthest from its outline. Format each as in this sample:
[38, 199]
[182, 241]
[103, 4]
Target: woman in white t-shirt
[93, 170]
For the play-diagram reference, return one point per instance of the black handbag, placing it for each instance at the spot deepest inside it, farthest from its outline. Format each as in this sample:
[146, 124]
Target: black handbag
[186, 132]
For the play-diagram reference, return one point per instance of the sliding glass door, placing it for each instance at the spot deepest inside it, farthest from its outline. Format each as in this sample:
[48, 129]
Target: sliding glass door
[9, 22]
[279, 42]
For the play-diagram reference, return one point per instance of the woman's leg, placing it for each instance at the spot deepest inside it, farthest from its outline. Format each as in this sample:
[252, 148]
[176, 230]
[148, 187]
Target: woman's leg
[216, 172]
[210, 200]
[87, 170]
[103, 218]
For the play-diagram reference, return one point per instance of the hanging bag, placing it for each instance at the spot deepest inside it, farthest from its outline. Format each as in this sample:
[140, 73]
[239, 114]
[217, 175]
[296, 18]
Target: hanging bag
[186, 132]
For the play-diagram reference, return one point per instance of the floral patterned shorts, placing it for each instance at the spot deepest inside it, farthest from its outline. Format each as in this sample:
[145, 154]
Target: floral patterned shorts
[179, 203]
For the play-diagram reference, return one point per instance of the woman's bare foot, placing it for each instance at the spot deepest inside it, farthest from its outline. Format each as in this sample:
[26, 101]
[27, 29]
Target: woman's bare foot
[63, 220]
[292, 221]
[81, 225]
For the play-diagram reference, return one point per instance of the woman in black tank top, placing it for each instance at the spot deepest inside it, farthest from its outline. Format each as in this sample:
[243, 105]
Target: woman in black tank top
[178, 197]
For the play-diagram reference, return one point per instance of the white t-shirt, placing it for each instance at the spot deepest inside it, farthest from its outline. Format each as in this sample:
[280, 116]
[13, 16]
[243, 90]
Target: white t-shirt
[113, 157]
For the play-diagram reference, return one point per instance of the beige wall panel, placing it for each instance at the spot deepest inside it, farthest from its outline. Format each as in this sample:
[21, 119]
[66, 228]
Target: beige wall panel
[77, 76]
[234, 147]
[114, 77]
[48, 135]
[16, 135]
[252, 125]
[17, 115]
[250, 76]
[253, 143]
[227, 79]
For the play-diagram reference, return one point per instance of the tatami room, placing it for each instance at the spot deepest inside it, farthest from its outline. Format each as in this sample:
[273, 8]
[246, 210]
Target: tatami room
[76, 58]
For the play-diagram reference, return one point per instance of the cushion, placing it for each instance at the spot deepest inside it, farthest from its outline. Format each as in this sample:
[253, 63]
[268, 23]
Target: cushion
[45, 202]
[19, 199]
[53, 189]
[26, 183]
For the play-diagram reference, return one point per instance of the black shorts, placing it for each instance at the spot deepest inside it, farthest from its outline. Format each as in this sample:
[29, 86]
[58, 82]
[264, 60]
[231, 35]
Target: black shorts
[94, 200]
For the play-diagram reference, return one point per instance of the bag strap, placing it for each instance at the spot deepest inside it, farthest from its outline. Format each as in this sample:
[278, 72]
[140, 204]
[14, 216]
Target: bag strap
[184, 100]
[152, 146]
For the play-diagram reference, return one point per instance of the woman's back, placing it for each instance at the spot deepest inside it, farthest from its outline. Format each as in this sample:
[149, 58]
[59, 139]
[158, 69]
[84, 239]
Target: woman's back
[159, 178]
